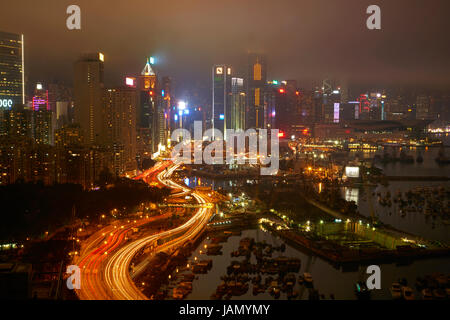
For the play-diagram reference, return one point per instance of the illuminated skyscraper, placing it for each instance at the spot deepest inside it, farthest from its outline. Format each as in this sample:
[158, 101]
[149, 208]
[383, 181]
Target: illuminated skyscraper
[237, 121]
[88, 94]
[256, 84]
[424, 108]
[281, 104]
[43, 117]
[17, 122]
[151, 114]
[221, 103]
[120, 115]
[165, 112]
[12, 79]
[147, 88]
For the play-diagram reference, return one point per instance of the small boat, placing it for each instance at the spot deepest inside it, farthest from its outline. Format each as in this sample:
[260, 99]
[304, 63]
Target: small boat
[427, 295]
[439, 294]
[361, 291]
[307, 277]
[407, 293]
[396, 291]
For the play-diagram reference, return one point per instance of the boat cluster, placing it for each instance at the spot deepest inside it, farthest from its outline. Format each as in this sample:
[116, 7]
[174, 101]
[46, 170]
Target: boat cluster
[430, 201]
[272, 275]
[431, 287]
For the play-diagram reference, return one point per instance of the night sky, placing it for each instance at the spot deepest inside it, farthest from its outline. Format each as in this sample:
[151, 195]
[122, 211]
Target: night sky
[303, 39]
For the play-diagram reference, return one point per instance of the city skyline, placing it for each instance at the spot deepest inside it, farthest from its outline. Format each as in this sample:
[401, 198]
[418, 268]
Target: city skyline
[239, 150]
[335, 43]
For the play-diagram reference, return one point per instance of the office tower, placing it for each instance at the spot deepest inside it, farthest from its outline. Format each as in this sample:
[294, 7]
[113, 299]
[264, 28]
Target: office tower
[373, 106]
[221, 97]
[166, 112]
[42, 127]
[88, 93]
[238, 100]
[349, 111]
[12, 68]
[396, 108]
[148, 113]
[121, 106]
[18, 122]
[62, 114]
[68, 135]
[256, 84]
[159, 129]
[424, 110]
[281, 104]
[43, 119]
[305, 107]
[60, 100]
[331, 98]
[147, 87]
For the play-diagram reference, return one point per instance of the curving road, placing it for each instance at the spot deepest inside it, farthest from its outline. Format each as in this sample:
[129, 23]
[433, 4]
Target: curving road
[106, 257]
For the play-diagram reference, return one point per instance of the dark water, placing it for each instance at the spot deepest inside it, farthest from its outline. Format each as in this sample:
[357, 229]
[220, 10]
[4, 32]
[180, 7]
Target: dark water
[415, 223]
[327, 279]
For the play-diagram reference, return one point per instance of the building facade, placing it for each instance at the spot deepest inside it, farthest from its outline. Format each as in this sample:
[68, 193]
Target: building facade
[12, 68]
[88, 97]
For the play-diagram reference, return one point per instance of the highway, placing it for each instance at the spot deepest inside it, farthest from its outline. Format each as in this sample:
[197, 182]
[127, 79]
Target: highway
[106, 257]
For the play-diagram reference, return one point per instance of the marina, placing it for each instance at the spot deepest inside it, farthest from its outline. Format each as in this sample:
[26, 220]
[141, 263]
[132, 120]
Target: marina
[315, 277]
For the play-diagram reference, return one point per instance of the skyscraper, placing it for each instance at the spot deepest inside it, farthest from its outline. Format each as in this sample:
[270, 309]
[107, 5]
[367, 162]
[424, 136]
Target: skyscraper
[165, 111]
[150, 113]
[221, 97]
[237, 104]
[88, 97]
[147, 87]
[281, 103]
[256, 84]
[424, 110]
[43, 124]
[121, 117]
[12, 78]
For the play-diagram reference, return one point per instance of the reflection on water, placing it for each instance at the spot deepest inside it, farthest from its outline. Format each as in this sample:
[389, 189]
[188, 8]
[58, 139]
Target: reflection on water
[428, 167]
[351, 194]
[327, 279]
[415, 223]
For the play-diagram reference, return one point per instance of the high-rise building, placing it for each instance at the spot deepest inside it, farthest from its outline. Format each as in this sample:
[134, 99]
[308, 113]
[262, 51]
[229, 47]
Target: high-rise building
[238, 100]
[44, 119]
[12, 68]
[147, 88]
[150, 114]
[60, 101]
[256, 84]
[88, 94]
[17, 122]
[165, 128]
[424, 109]
[121, 105]
[221, 97]
[68, 135]
[281, 102]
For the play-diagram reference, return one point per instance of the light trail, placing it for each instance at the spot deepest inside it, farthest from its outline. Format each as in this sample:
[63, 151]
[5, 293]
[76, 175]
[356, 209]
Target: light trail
[106, 270]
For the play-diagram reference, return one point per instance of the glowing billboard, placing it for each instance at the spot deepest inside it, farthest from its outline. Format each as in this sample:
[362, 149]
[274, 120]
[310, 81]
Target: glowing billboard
[336, 112]
[130, 82]
[352, 172]
[6, 103]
